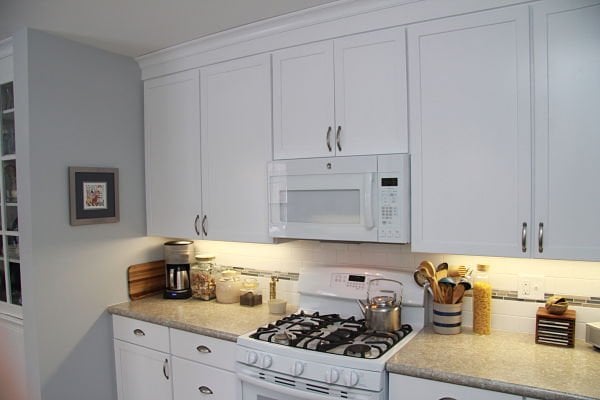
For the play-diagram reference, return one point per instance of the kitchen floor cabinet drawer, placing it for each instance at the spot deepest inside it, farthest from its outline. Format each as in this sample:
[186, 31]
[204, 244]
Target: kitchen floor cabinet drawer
[424, 389]
[197, 381]
[207, 350]
[141, 333]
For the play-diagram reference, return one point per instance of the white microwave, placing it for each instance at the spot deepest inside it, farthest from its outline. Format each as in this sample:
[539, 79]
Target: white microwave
[361, 198]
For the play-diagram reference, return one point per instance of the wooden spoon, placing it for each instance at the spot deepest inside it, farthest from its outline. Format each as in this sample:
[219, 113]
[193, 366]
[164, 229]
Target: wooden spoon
[457, 295]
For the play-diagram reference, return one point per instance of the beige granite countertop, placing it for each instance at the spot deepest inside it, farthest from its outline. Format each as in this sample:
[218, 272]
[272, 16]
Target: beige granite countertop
[503, 361]
[223, 321]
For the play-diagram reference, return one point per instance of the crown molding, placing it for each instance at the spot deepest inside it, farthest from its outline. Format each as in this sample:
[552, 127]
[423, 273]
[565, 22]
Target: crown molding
[341, 18]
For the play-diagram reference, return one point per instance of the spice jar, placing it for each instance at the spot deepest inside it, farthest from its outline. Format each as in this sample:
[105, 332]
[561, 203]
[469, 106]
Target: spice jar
[203, 280]
[228, 287]
[482, 301]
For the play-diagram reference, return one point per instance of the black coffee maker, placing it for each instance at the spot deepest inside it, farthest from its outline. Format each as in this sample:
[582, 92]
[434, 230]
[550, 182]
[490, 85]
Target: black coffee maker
[178, 256]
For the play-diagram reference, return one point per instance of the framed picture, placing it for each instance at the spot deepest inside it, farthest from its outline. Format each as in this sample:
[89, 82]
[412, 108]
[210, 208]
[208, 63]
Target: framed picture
[93, 195]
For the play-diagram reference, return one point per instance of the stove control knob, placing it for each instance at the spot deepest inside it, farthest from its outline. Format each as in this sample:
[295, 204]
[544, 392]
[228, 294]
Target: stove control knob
[332, 375]
[352, 378]
[267, 361]
[298, 368]
[252, 357]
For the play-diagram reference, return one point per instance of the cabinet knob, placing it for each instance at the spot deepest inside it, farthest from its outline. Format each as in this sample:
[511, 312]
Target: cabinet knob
[205, 390]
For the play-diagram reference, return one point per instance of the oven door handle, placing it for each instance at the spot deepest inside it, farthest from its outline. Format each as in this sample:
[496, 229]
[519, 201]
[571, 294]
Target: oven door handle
[282, 389]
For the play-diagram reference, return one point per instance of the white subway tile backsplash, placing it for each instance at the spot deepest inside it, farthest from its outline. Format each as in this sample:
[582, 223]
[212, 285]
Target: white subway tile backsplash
[573, 278]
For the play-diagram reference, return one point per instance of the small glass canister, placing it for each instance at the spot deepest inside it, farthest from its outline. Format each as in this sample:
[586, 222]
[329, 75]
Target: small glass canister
[250, 294]
[203, 279]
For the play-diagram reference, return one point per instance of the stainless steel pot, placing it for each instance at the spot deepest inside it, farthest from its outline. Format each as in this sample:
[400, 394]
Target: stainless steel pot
[382, 309]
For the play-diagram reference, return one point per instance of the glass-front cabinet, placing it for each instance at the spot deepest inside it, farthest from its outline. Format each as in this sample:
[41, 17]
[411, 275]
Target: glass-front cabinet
[10, 267]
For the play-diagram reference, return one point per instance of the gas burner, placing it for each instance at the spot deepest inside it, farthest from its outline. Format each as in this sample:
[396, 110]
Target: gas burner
[330, 333]
[358, 350]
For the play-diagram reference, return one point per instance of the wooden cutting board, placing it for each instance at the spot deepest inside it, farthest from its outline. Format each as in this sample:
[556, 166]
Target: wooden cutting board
[146, 279]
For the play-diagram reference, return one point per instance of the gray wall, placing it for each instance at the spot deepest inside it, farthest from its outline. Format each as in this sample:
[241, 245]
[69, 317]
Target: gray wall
[77, 106]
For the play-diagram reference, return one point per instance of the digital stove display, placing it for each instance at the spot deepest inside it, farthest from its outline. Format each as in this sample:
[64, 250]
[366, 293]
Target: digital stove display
[331, 334]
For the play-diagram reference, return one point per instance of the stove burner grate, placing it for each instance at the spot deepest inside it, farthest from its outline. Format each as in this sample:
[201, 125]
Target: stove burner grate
[331, 334]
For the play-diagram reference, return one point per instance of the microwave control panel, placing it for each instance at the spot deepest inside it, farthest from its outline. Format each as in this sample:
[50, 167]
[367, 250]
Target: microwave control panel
[392, 214]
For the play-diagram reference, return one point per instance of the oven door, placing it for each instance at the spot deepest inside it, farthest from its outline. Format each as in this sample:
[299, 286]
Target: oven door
[325, 199]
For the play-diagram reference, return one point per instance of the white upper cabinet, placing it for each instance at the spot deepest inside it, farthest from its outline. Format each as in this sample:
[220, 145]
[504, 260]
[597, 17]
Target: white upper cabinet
[470, 133]
[303, 103]
[236, 146]
[341, 97]
[172, 142]
[566, 42]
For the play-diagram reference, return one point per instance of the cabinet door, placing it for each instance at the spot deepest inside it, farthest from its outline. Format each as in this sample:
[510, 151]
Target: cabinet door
[303, 101]
[371, 94]
[566, 41]
[142, 373]
[198, 381]
[424, 389]
[236, 145]
[470, 133]
[172, 141]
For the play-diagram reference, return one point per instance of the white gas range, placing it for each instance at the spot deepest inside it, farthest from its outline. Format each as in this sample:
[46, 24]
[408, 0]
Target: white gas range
[324, 350]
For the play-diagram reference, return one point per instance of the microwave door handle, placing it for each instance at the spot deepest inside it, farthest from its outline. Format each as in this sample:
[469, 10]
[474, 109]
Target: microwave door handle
[368, 201]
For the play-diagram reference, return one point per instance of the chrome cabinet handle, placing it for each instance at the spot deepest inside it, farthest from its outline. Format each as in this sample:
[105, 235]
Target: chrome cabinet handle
[338, 142]
[524, 238]
[204, 226]
[203, 349]
[205, 390]
[139, 332]
[328, 138]
[165, 368]
[541, 237]
[447, 398]
[196, 224]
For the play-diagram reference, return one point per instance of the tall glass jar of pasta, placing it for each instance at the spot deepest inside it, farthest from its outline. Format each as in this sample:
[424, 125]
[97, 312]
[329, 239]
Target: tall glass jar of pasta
[482, 301]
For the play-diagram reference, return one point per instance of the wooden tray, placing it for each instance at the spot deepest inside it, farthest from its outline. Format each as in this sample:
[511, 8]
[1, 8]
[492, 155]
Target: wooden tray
[146, 279]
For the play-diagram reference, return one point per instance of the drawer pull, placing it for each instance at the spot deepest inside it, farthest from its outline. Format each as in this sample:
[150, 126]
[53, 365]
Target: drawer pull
[203, 349]
[447, 398]
[139, 332]
[205, 390]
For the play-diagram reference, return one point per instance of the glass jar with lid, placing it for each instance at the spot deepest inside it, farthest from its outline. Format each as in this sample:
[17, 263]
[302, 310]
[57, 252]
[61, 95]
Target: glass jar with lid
[482, 301]
[203, 277]
[228, 286]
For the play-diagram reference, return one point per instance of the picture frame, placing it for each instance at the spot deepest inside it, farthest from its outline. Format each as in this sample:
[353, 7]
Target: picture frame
[93, 195]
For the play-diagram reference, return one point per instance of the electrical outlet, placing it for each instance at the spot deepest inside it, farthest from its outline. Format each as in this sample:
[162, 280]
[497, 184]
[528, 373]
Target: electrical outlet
[531, 287]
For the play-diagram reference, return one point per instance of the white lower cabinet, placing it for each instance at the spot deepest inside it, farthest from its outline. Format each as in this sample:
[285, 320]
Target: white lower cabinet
[156, 362]
[142, 373]
[402, 386]
[203, 367]
[198, 381]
